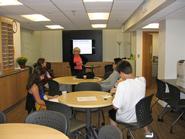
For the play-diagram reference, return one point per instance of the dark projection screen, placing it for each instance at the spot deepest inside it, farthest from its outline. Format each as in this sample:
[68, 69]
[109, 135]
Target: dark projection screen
[94, 35]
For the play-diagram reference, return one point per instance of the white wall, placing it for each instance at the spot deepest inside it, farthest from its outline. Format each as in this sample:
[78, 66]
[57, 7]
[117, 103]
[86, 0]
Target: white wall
[171, 47]
[110, 46]
[30, 45]
[175, 46]
[48, 44]
[133, 43]
[155, 44]
[111, 49]
[161, 50]
[139, 50]
[17, 42]
[51, 45]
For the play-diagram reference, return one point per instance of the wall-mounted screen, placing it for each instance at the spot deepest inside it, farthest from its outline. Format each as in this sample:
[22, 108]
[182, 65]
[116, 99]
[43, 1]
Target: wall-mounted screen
[85, 45]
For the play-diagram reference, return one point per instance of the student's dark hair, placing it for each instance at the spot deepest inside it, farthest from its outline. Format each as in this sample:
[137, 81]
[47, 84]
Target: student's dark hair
[117, 60]
[48, 65]
[35, 77]
[124, 66]
[39, 63]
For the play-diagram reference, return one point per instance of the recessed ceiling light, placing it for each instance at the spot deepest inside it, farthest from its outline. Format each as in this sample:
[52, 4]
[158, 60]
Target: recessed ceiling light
[54, 27]
[98, 16]
[36, 17]
[152, 26]
[97, 0]
[9, 2]
[99, 25]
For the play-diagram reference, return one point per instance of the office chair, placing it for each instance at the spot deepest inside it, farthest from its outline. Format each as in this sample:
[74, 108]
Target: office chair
[49, 118]
[2, 117]
[108, 71]
[54, 88]
[110, 132]
[176, 103]
[73, 124]
[143, 115]
[161, 95]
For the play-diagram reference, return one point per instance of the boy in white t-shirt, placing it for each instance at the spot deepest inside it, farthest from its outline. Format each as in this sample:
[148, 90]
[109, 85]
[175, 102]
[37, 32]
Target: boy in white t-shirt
[130, 91]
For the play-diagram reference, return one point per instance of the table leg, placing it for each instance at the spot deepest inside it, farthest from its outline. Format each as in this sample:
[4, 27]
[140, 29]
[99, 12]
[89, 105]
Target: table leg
[88, 123]
[91, 133]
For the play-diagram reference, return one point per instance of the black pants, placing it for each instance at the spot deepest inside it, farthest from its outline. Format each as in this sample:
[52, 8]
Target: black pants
[112, 114]
[78, 73]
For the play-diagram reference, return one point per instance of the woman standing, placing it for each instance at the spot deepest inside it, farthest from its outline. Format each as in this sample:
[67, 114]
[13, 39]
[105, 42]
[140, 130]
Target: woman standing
[77, 62]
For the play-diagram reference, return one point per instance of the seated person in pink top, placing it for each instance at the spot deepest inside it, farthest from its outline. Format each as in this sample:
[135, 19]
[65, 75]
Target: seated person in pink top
[77, 62]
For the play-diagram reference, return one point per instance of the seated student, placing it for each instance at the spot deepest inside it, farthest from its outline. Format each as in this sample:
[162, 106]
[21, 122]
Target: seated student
[49, 70]
[41, 63]
[128, 93]
[36, 93]
[109, 83]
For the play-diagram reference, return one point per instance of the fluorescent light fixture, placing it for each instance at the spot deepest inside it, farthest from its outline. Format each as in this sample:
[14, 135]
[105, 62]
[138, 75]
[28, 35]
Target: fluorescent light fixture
[36, 17]
[97, 0]
[99, 25]
[54, 26]
[98, 16]
[152, 26]
[9, 2]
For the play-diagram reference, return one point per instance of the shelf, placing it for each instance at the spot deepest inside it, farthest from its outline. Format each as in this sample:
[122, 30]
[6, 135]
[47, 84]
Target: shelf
[7, 45]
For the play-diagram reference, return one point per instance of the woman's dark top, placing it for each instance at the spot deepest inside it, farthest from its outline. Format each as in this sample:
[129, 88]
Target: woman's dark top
[72, 65]
[30, 100]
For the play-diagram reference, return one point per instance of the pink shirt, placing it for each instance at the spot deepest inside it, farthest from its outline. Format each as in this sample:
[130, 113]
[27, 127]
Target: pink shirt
[78, 61]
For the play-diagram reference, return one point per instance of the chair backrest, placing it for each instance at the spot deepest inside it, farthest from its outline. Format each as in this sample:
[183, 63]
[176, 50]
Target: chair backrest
[88, 86]
[174, 95]
[2, 117]
[59, 107]
[48, 118]
[54, 88]
[107, 74]
[144, 111]
[110, 132]
[161, 88]
[108, 68]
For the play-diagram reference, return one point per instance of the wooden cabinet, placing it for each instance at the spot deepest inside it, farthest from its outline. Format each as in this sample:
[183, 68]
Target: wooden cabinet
[6, 44]
[63, 68]
[13, 87]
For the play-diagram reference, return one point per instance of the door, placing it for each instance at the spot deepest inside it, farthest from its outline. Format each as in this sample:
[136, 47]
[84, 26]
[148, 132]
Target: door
[147, 58]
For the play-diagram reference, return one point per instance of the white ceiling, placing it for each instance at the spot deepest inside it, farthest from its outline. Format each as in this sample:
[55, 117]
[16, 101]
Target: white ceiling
[71, 14]
[174, 11]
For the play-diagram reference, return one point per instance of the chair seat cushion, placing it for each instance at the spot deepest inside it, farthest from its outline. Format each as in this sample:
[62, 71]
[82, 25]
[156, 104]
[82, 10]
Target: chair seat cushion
[180, 106]
[135, 125]
[181, 103]
[130, 125]
[164, 97]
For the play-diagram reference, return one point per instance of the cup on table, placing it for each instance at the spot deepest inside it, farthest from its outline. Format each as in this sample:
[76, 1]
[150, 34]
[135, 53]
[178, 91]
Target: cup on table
[64, 92]
[85, 76]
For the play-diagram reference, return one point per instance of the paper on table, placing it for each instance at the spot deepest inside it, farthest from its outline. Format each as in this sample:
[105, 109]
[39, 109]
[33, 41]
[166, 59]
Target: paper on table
[54, 100]
[91, 98]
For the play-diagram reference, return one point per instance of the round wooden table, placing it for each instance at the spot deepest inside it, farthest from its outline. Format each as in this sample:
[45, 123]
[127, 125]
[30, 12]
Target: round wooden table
[87, 100]
[72, 80]
[29, 131]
